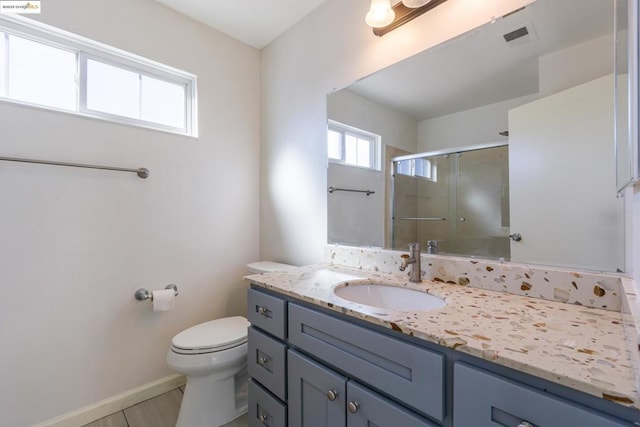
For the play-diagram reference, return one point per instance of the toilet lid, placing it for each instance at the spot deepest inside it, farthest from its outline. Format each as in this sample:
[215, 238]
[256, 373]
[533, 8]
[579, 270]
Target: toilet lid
[215, 334]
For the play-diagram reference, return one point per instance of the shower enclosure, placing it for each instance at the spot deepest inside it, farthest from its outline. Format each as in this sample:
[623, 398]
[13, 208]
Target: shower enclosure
[458, 198]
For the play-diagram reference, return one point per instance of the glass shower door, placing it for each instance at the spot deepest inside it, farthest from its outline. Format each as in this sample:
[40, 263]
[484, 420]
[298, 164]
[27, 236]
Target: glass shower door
[482, 203]
[460, 200]
[422, 190]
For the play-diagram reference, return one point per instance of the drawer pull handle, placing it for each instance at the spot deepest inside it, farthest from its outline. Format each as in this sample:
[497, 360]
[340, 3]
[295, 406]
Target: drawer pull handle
[332, 395]
[353, 407]
[262, 361]
[525, 424]
[263, 418]
[262, 310]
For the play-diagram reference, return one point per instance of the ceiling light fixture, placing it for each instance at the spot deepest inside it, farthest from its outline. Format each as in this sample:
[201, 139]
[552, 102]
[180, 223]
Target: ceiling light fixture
[415, 3]
[380, 14]
[401, 13]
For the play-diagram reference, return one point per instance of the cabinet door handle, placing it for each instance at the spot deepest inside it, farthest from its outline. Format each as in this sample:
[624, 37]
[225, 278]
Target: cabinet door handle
[263, 418]
[353, 407]
[262, 310]
[332, 395]
[262, 361]
[525, 424]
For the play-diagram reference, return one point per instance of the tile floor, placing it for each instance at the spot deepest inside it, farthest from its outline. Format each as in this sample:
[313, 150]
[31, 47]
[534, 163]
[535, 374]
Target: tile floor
[161, 411]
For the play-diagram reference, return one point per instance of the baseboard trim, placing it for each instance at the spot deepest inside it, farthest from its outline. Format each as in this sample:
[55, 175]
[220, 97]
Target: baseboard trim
[113, 404]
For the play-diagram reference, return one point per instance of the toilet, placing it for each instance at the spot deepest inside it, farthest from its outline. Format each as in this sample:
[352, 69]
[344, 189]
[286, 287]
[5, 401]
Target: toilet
[213, 357]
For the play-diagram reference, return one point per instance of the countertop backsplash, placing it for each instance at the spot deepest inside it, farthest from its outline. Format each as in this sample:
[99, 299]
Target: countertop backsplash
[589, 289]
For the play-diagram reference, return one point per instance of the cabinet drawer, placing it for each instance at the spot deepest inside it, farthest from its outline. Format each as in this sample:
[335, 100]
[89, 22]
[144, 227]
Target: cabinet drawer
[267, 362]
[264, 409]
[485, 399]
[267, 312]
[411, 374]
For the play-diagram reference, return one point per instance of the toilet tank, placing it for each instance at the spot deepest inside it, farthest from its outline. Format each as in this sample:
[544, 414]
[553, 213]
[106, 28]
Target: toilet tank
[268, 266]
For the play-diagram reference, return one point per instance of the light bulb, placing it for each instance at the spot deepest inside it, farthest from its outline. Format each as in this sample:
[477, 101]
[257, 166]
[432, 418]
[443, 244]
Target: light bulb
[381, 14]
[415, 3]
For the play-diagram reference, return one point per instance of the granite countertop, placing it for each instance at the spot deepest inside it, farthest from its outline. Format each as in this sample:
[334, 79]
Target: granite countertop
[579, 347]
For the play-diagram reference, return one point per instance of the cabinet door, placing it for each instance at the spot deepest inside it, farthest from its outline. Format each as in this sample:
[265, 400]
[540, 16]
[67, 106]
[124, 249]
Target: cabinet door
[367, 408]
[485, 399]
[316, 394]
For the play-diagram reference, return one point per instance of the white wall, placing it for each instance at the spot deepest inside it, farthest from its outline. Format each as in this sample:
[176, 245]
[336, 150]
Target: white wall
[576, 64]
[329, 49]
[471, 127]
[355, 219]
[394, 128]
[75, 243]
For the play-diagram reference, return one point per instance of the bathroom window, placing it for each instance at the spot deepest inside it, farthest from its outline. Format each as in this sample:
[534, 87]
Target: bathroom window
[37, 73]
[351, 146]
[421, 168]
[116, 90]
[45, 67]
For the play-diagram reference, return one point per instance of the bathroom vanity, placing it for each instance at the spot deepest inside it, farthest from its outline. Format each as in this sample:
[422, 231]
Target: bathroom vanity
[318, 360]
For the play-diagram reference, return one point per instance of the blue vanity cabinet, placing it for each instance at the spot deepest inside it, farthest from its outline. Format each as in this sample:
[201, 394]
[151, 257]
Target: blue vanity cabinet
[313, 367]
[320, 397]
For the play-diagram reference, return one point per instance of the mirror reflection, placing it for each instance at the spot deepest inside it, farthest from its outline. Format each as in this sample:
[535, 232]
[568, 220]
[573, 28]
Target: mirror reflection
[503, 141]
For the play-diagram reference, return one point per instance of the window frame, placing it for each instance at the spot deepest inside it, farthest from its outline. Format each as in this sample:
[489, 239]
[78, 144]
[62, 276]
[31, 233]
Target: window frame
[432, 167]
[85, 49]
[375, 145]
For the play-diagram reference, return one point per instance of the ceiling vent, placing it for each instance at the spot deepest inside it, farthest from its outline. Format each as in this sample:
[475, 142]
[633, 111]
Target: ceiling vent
[520, 35]
[516, 34]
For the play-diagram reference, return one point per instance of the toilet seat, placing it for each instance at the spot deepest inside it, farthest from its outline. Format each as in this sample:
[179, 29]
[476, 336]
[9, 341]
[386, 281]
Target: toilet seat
[212, 336]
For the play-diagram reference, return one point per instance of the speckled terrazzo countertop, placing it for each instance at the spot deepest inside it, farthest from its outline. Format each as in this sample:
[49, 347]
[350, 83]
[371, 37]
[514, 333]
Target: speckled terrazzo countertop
[579, 347]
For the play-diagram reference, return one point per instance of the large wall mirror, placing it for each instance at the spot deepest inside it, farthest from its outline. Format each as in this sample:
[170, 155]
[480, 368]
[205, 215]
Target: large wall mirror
[503, 141]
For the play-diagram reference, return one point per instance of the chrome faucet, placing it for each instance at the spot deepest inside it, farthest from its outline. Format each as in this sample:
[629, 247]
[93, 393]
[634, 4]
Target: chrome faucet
[413, 259]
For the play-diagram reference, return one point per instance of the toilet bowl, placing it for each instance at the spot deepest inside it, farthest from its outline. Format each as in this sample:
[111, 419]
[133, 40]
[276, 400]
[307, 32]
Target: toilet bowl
[213, 357]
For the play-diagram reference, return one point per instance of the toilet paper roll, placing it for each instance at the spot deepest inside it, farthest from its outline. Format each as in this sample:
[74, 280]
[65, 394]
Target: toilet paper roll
[164, 300]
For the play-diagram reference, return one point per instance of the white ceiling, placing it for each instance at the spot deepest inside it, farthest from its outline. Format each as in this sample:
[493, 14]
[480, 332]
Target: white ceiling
[255, 22]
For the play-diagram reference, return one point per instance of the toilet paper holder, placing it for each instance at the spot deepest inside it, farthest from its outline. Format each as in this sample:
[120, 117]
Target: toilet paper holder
[144, 294]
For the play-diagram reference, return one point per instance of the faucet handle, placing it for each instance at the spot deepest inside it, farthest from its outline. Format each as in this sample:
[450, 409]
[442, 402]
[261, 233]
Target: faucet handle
[405, 256]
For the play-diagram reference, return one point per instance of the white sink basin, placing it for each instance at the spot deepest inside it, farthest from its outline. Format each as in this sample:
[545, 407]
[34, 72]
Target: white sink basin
[388, 297]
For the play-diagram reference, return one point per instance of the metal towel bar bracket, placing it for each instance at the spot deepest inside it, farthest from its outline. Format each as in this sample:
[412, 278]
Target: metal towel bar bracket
[144, 294]
[141, 172]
